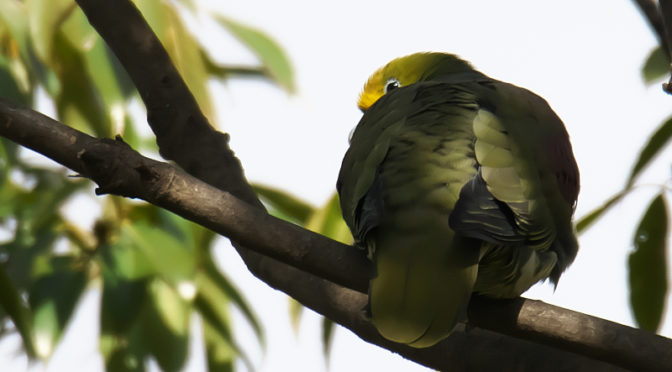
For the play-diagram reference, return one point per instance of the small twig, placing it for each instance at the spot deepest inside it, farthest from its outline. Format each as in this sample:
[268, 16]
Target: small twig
[666, 15]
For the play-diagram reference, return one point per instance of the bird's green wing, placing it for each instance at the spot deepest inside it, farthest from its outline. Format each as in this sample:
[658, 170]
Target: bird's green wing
[527, 185]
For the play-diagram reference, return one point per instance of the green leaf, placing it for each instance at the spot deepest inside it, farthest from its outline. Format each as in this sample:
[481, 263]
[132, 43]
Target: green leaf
[166, 326]
[656, 66]
[223, 71]
[218, 279]
[44, 18]
[107, 76]
[219, 354]
[184, 50]
[11, 303]
[9, 86]
[14, 15]
[190, 4]
[327, 336]
[586, 221]
[124, 359]
[284, 204]
[658, 141]
[647, 266]
[79, 103]
[78, 31]
[122, 301]
[125, 261]
[53, 298]
[295, 313]
[124, 305]
[329, 222]
[268, 51]
[211, 305]
[166, 253]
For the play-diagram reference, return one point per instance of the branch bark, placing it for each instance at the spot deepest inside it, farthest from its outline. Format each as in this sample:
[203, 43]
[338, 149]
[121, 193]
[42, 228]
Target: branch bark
[184, 135]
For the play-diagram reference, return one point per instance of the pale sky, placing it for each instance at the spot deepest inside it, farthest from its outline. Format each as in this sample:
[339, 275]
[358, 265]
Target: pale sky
[583, 57]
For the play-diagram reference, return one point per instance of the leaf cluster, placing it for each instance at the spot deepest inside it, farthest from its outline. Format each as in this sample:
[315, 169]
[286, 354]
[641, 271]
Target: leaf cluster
[155, 270]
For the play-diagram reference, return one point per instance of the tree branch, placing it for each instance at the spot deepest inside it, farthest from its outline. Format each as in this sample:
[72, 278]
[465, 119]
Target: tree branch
[650, 10]
[659, 17]
[119, 169]
[666, 15]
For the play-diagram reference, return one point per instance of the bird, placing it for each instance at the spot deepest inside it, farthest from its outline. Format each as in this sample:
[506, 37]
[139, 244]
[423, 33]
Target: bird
[454, 184]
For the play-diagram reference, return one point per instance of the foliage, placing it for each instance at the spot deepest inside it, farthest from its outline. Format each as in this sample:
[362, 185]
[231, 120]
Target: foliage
[154, 269]
[647, 264]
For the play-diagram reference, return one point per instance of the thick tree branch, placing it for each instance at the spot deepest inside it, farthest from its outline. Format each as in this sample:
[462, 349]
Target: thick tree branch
[119, 169]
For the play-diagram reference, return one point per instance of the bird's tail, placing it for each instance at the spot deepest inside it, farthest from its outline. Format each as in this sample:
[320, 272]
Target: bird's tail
[422, 284]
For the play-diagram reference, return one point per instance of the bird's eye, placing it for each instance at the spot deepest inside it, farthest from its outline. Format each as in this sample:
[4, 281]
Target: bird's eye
[391, 84]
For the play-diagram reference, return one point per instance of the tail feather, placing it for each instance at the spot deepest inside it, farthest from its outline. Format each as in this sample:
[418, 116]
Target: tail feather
[422, 285]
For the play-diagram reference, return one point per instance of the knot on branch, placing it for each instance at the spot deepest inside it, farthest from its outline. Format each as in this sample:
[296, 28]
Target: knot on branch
[117, 168]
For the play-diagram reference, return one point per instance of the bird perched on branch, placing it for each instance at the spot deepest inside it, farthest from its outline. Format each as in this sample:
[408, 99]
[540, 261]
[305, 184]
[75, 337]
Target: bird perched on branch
[455, 183]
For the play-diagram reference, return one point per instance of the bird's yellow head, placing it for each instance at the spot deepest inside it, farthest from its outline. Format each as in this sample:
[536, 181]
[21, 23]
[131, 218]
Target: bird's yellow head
[407, 70]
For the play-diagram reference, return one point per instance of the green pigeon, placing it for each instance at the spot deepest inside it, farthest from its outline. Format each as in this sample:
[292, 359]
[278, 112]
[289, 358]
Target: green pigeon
[455, 183]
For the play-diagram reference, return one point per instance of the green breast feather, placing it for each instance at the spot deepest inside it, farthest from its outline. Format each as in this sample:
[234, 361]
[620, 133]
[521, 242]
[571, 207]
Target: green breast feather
[454, 183]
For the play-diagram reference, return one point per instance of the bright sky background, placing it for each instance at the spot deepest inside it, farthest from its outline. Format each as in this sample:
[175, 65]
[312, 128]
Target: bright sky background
[584, 57]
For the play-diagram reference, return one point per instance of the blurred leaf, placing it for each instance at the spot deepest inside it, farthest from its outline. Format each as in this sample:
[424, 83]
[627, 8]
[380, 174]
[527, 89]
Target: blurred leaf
[11, 303]
[125, 260]
[268, 51]
[211, 304]
[51, 191]
[656, 66]
[658, 140]
[14, 15]
[79, 103]
[131, 136]
[9, 87]
[122, 300]
[106, 74]
[167, 254]
[124, 358]
[327, 336]
[171, 306]
[586, 221]
[79, 32]
[223, 71]
[328, 221]
[184, 50]
[121, 320]
[190, 4]
[166, 326]
[219, 354]
[44, 19]
[53, 298]
[284, 204]
[223, 284]
[295, 313]
[647, 266]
